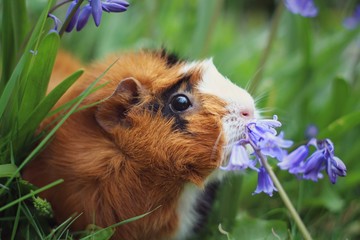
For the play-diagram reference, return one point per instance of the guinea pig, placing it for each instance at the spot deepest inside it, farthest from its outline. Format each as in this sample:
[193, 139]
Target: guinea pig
[154, 142]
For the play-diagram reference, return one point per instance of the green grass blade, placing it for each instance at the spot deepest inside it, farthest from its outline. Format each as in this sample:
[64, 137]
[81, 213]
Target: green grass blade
[16, 223]
[32, 222]
[101, 231]
[17, 218]
[8, 170]
[60, 230]
[68, 104]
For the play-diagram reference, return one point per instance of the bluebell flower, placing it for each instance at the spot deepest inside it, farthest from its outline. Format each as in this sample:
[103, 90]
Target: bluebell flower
[310, 168]
[115, 6]
[94, 8]
[292, 161]
[311, 131]
[263, 138]
[96, 11]
[74, 19]
[265, 184]
[256, 129]
[273, 146]
[313, 166]
[305, 8]
[262, 134]
[57, 21]
[84, 15]
[334, 168]
[239, 159]
[354, 20]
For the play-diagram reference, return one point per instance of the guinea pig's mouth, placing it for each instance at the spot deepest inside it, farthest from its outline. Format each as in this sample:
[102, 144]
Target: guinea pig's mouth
[234, 130]
[238, 134]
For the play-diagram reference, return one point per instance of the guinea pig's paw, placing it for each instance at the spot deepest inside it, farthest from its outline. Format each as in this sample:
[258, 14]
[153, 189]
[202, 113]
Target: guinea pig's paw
[112, 111]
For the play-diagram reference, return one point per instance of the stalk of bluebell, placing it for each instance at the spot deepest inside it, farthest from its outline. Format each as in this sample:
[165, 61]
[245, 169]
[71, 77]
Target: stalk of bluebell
[268, 183]
[305, 8]
[294, 214]
[267, 180]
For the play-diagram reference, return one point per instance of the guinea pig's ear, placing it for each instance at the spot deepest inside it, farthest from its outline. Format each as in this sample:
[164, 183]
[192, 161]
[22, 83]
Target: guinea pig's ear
[112, 111]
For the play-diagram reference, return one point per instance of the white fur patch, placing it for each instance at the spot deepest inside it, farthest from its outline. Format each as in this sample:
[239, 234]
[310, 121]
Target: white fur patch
[186, 211]
[216, 84]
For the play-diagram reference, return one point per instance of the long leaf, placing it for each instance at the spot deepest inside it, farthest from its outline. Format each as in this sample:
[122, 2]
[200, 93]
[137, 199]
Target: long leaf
[17, 217]
[341, 125]
[39, 75]
[68, 104]
[20, 23]
[7, 46]
[38, 148]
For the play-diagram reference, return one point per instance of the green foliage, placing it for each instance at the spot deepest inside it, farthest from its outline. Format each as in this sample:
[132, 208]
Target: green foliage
[311, 76]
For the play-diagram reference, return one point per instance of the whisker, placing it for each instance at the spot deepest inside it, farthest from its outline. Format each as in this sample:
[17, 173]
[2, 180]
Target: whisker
[215, 145]
[260, 97]
[263, 111]
[248, 84]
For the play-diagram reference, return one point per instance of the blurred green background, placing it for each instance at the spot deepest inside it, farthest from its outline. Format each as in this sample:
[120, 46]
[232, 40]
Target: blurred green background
[310, 76]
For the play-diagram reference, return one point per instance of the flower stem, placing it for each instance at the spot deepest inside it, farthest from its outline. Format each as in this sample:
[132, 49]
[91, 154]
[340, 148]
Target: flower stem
[285, 197]
[59, 5]
[265, 54]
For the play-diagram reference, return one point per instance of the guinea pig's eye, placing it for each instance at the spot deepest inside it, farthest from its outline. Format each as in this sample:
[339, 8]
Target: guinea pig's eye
[180, 103]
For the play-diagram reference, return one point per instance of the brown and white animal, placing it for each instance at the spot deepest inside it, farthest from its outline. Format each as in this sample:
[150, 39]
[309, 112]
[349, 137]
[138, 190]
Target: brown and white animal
[157, 139]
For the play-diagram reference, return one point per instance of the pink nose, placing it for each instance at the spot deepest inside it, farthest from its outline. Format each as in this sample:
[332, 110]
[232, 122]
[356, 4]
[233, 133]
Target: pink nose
[247, 113]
